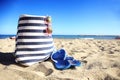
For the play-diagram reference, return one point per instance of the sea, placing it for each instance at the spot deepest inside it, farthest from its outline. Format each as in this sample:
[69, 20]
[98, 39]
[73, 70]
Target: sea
[2, 36]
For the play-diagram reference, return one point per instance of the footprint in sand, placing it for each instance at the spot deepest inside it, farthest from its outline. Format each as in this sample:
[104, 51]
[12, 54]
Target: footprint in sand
[40, 67]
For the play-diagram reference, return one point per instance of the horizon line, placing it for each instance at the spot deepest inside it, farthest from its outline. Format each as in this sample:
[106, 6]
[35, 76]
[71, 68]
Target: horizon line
[79, 34]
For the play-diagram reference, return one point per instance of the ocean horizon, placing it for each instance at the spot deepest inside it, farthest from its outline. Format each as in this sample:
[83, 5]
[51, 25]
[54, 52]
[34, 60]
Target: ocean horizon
[3, 36]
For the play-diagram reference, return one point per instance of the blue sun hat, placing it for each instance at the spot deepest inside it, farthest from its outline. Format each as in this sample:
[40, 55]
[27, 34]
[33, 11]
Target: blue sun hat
[62, 61]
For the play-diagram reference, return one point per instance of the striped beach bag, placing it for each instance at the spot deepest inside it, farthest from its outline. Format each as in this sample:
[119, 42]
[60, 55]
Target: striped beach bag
[33, 42]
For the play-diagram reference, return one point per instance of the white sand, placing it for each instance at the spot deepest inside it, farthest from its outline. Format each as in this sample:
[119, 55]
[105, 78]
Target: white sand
[100, 61]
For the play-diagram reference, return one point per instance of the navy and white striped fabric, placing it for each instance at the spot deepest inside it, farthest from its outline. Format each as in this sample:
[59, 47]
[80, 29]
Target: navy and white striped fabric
[32, 43]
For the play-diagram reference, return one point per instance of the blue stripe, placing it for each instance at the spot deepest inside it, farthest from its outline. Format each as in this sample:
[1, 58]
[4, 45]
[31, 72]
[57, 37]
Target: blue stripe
[32, 24]
[31, 18]
[34, 49]
[31, 60]
[28, 30]
[34, 37]
[32, 55]
[34, 43]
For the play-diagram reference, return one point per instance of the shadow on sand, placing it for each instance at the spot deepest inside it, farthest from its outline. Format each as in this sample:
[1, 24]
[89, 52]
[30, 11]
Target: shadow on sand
[7, 58]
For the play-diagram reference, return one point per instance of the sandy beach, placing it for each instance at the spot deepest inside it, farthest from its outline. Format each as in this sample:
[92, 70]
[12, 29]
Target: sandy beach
[100, 61]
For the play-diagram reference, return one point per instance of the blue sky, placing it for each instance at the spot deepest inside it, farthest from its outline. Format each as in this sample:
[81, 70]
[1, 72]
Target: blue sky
[68, 16]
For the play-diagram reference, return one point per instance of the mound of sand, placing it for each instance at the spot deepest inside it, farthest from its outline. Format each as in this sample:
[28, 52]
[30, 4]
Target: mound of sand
[100, 61]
